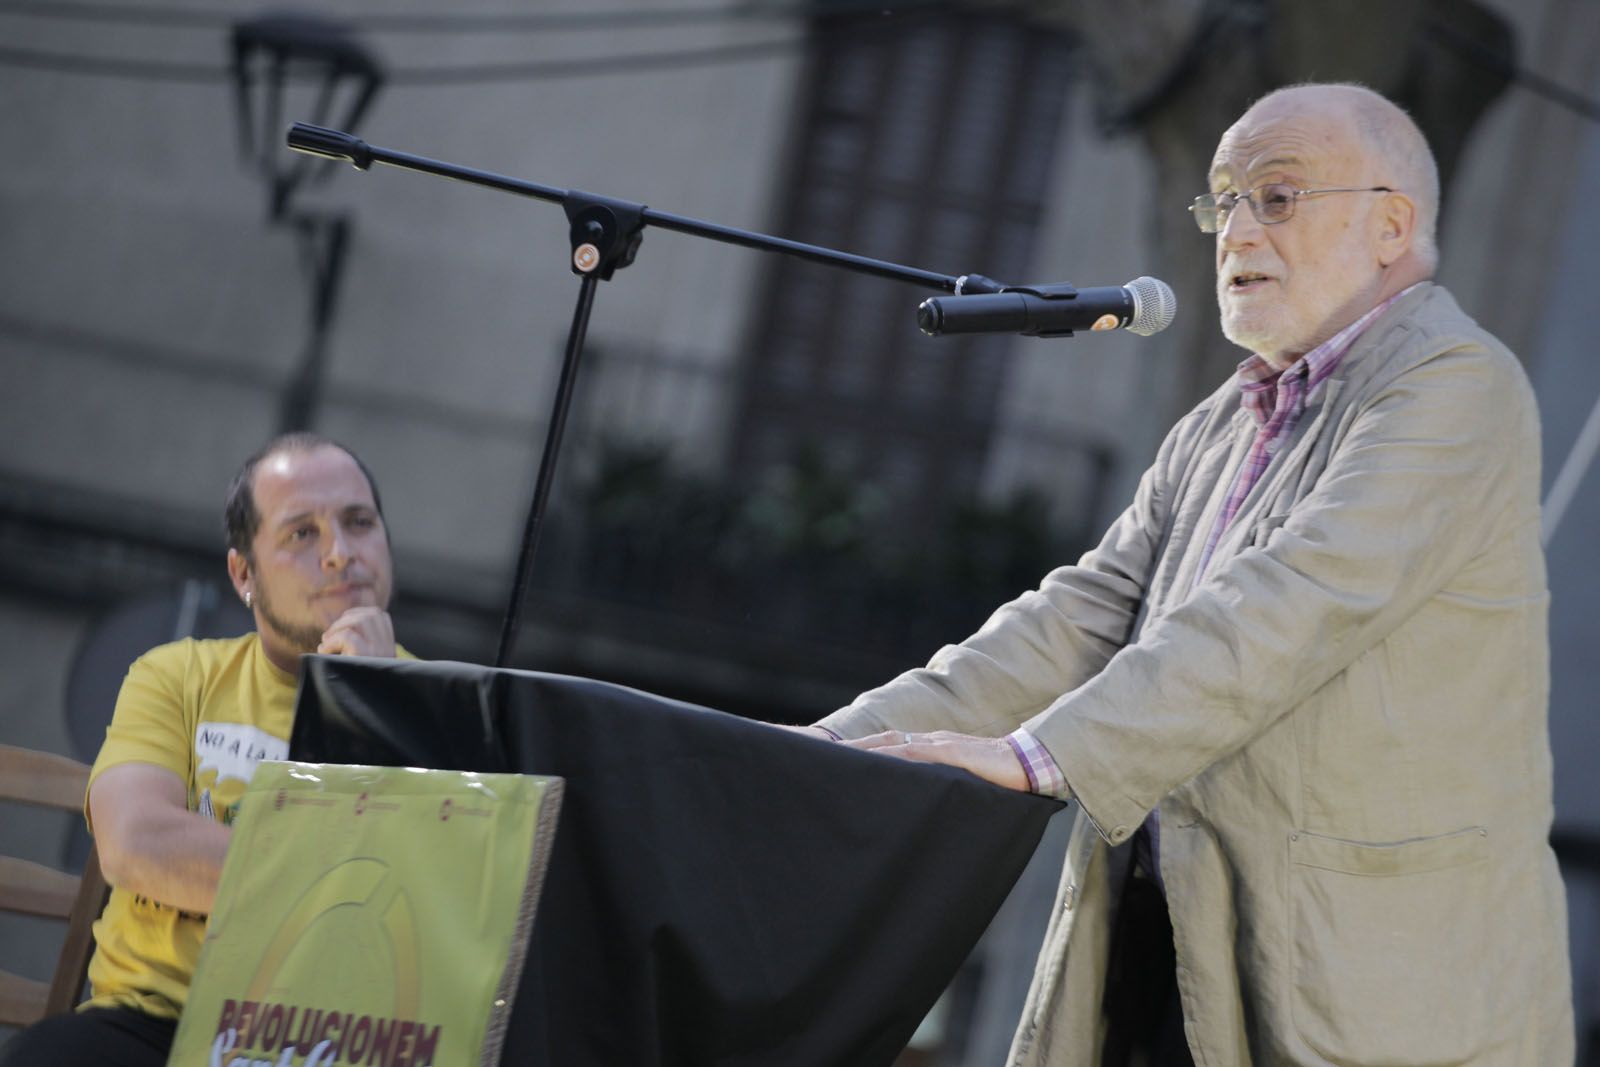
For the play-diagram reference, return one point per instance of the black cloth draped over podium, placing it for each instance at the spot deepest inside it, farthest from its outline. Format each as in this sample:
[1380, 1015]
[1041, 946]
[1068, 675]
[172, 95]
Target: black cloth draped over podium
[719, 892]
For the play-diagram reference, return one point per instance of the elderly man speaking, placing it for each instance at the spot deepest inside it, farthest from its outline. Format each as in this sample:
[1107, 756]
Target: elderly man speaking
[1307, 667]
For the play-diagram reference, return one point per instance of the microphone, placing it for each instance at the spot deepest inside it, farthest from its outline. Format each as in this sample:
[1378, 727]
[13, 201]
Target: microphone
[1144, 306]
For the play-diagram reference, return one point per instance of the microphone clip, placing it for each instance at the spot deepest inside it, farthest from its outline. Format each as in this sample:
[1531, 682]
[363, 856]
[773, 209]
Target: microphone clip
[978, 285]
[1058, 291]
[605, 234]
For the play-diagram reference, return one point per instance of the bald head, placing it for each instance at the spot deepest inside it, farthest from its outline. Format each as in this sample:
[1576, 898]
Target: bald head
[1397, 154]
[1354, 198]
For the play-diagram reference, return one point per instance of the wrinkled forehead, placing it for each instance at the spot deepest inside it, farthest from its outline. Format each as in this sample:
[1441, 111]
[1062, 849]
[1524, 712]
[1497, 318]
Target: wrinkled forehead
[1289, 143]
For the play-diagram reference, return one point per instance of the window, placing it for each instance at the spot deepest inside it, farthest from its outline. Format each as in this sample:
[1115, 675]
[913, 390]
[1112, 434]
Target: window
[926, 140]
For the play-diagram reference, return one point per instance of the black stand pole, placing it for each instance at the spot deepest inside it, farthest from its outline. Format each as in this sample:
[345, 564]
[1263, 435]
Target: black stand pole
[547, 466]
[605, 235]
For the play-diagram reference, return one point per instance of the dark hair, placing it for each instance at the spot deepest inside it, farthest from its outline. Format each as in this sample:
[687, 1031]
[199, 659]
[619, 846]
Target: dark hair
[240, 519]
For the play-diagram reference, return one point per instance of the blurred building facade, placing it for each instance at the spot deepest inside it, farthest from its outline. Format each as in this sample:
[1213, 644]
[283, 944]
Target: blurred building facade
[774, 489]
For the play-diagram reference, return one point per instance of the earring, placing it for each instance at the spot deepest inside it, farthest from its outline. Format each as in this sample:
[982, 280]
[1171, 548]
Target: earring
[248, 598]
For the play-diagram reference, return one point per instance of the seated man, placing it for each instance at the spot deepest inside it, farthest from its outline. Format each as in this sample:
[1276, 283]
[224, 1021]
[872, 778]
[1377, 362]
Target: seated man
[308, 553]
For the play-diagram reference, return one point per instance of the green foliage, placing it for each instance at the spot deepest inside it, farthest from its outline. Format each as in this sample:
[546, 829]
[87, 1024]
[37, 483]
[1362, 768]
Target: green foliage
[805, 553]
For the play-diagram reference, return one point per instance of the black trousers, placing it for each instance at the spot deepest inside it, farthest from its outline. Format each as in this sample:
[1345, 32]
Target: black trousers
[1144, 1016]
[98, 1037]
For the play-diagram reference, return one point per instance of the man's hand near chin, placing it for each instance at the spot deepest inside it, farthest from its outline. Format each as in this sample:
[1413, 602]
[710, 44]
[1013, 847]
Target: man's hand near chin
[364, 631]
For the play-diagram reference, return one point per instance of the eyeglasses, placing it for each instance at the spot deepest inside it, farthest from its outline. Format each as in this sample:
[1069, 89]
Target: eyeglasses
[1271, 203]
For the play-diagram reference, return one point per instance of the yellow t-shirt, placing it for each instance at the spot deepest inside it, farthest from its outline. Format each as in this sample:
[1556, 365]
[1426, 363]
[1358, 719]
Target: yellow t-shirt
[209, 711]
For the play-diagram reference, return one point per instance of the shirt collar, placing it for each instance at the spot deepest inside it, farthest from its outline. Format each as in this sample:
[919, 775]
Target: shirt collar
[1258, 379]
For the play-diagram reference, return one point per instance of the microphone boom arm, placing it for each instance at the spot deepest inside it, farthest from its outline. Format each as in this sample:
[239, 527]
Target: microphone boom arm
[337, 145]
[605, 234]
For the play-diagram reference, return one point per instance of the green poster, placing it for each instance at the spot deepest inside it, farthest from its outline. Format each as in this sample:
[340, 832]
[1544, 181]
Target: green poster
[369, 915]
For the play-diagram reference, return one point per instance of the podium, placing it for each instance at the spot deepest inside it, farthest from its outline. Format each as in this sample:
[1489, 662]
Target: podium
[719, 892]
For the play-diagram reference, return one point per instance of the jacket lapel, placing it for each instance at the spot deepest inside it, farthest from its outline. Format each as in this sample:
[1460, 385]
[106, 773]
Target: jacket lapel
[1199, 500]
[1284, 469]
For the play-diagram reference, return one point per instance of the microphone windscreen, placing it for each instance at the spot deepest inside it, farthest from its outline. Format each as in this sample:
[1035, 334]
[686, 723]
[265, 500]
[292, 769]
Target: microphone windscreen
[1154, 305]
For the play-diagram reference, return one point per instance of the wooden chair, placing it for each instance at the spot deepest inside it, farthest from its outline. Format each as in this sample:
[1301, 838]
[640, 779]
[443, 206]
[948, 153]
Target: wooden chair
[51, 781]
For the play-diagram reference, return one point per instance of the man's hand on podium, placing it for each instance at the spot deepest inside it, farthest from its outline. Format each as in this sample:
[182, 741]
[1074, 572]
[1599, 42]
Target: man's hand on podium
[990, 758]
[809, 731]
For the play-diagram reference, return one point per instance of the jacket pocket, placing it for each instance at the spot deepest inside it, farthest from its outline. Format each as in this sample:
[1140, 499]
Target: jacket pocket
[1388, 947]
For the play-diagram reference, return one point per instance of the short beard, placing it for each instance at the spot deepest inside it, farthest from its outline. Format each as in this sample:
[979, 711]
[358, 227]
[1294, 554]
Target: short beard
[302, 638]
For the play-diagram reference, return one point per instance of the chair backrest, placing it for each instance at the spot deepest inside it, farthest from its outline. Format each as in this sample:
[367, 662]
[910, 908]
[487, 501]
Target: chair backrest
[51, 781]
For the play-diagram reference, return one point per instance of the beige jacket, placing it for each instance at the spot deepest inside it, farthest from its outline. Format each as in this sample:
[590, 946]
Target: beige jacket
[1343, 724]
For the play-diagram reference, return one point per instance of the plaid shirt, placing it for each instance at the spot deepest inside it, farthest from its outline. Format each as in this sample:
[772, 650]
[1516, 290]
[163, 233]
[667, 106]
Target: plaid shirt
[1044, 774]
[1276, 399]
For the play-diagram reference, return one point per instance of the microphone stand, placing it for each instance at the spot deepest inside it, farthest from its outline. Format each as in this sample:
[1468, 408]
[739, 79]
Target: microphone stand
[604, 235]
